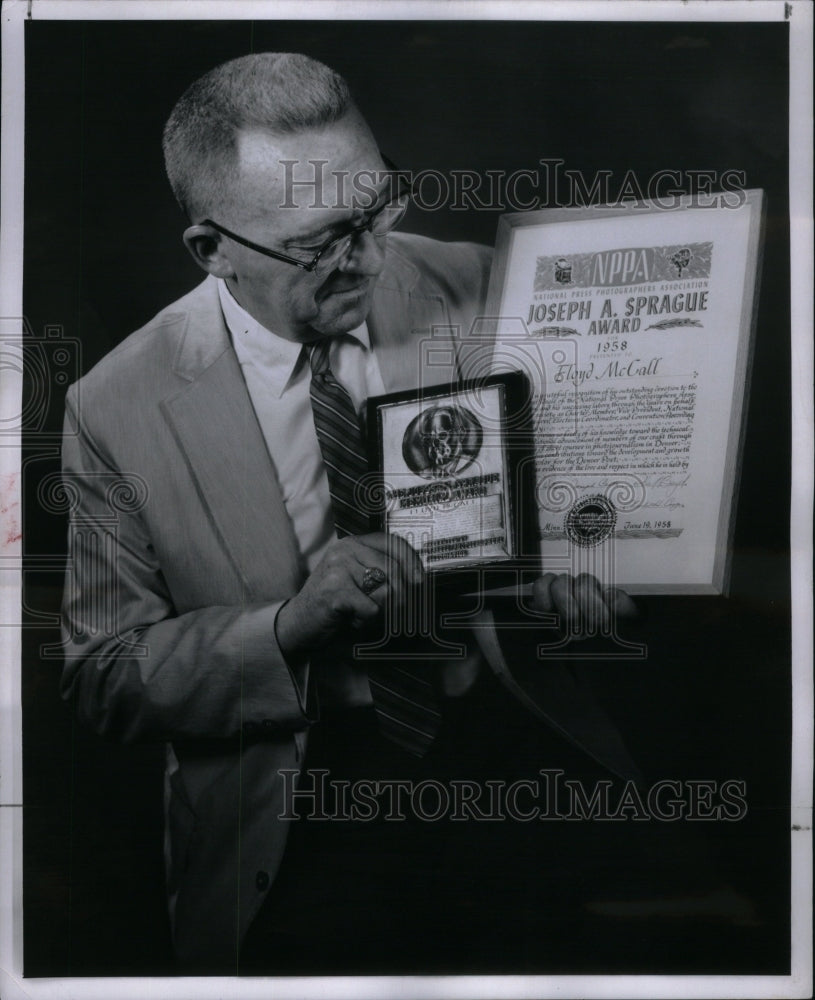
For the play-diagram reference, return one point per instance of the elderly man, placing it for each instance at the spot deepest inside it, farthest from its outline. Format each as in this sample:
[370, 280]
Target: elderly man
[219, 570]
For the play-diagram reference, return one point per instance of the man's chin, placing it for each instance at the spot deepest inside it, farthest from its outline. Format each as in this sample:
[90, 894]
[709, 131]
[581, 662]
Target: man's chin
[343, 312]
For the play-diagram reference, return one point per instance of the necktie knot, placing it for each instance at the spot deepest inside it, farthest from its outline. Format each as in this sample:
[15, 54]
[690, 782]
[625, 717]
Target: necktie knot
[318, 357]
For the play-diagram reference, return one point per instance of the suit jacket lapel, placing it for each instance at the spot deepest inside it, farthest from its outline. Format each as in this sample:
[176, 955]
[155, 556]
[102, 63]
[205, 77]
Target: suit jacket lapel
[216, 427]
[410, 331]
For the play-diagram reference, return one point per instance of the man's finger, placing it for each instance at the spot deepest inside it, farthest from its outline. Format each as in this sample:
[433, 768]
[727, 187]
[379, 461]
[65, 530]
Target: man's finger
[397, 549]
[367, 565]
[542, 593]
[361, 609]
[593, 611]
[397, 582]
[563, 597]
[621, 604]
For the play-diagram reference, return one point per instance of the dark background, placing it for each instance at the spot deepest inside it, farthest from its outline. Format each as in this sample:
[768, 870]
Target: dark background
[103, 254]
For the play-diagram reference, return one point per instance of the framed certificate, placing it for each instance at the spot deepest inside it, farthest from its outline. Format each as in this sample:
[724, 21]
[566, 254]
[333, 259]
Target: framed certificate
[634, 323]
[454, 474]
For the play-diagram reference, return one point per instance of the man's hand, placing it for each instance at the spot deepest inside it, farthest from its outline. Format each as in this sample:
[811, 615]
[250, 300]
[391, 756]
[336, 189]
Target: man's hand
[585, 608]
[334, 596]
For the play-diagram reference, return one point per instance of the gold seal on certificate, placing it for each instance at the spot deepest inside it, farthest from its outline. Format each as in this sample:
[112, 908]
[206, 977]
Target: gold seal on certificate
[454, 471]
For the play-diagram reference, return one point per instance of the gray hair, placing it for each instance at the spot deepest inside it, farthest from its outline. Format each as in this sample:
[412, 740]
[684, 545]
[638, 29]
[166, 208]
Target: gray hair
[279, 92]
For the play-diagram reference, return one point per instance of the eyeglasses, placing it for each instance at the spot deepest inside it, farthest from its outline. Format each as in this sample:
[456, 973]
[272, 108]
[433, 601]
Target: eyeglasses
[336, 251]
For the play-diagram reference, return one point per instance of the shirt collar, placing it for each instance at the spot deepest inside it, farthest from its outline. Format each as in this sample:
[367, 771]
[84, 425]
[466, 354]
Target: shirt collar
[256, 345]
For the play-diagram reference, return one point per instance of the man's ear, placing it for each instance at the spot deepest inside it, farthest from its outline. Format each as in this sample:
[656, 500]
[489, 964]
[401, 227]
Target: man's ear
[208, 251]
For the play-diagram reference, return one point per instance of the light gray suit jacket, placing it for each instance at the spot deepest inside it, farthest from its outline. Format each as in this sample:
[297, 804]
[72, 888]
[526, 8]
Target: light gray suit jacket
[182, 553]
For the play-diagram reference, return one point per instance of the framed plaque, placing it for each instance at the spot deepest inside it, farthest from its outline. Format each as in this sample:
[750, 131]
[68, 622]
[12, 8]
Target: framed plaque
[454, 470]
[635, 326]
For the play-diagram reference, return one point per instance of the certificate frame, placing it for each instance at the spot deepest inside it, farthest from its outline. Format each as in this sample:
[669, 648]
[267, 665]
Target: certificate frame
[610, 267]
[484, 480]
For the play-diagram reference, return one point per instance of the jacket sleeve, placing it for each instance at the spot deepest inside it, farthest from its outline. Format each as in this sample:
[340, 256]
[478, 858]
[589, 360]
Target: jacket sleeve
[134, 668]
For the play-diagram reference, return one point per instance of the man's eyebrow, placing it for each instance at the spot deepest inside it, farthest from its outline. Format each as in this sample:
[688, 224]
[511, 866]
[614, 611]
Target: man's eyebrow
[335, 228]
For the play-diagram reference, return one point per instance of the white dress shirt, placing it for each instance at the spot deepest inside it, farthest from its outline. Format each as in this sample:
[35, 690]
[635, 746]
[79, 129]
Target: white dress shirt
[278, 377]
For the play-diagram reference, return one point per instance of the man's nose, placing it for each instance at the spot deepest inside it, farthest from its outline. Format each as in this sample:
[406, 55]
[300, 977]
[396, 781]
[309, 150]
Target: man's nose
[366, 256]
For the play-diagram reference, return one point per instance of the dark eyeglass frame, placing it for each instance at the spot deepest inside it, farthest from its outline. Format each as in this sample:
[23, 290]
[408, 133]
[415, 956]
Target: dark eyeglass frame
[353, 232]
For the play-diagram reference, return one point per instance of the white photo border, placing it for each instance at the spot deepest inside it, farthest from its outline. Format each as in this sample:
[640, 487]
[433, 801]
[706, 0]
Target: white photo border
[799, 983]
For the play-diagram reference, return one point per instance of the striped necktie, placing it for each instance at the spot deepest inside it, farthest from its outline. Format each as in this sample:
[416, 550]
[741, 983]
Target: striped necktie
[405, 703]
[341, 444]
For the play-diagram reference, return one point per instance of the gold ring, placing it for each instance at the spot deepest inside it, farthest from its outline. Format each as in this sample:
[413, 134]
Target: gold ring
[372, 578]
